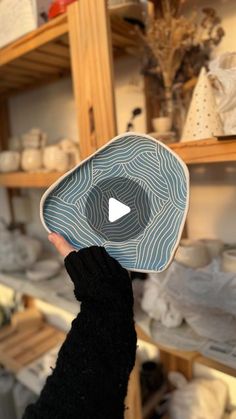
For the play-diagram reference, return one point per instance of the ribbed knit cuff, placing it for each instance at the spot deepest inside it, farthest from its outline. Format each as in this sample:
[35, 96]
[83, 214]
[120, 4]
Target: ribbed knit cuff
[97, 276]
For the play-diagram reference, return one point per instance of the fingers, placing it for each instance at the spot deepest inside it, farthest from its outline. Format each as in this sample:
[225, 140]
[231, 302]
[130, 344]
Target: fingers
[62, 246]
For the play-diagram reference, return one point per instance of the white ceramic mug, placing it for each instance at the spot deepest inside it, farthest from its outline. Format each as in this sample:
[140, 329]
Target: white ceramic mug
[192, 253]
[55, 159]
[9, 161]
[162, 124]
[31, 159]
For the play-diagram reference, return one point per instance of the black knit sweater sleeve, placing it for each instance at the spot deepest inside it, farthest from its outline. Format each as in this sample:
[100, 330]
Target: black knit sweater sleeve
[94, 363]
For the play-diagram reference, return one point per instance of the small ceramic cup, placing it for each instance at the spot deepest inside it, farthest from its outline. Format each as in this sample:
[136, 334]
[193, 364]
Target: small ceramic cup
[9, 161]
[31, 160]
[228, 263]
[162, 124]
[192, 253]
[55, 159]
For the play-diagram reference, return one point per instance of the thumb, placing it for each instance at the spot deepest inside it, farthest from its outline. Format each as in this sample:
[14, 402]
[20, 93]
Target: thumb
[62, 246]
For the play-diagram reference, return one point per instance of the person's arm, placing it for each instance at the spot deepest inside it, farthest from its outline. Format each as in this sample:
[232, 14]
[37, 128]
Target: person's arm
[94, 363]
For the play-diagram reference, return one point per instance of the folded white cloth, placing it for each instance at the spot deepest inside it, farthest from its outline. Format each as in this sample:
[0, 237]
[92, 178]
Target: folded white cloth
[157, 304]
[200, 398]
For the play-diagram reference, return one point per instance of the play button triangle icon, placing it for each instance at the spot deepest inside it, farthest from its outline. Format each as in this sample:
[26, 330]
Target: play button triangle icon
[117, 210]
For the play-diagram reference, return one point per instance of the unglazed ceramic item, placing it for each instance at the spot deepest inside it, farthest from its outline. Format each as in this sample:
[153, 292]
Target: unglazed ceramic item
[55, 159]
[9, 161]
[203, 120]
[162, 124]
[229, 260]
[72, 150]
[138, 171]
[34, 138]
[192, 253]
[31, 160]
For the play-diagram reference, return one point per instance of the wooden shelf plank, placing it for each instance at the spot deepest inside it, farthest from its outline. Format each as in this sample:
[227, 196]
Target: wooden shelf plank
[211, 363]
[42, 290]
[43, 55]
[192, 357]
[35, 39]
[28, 180]
[209, 150]
[25, 344]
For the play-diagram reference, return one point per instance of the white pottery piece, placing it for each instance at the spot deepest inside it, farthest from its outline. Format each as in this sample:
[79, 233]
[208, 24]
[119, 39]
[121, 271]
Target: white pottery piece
[43, 269]
[229, 260]
[192, 253]
[35, 138]
[203, 120]
[9, 161]
[31, 159]
[55, 159]
[72, 150]
[162, 124]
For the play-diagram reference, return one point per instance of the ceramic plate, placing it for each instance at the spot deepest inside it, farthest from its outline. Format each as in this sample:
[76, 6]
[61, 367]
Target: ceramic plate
[138, 171]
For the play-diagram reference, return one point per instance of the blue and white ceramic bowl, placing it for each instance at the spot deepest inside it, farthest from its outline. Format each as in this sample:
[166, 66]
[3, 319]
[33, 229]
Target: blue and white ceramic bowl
[149, 163]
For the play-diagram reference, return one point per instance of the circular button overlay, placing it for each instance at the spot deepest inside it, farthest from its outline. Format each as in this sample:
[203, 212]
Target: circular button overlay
[124, 191]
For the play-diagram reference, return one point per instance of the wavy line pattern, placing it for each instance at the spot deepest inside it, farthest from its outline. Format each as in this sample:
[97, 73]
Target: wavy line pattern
[160, 174]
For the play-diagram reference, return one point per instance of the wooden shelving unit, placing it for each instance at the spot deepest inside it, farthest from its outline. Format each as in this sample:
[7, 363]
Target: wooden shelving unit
[209, 150]
[27, 338]
[44, 55]
[82, 42]
[192, 152]
[183, 361]
[28, 180]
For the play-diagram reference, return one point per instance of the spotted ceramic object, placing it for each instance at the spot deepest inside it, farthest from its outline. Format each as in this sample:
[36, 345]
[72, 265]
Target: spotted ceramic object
[149, 163]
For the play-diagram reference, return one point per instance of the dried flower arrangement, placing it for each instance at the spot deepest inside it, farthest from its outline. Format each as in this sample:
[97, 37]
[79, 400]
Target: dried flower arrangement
[176, 47]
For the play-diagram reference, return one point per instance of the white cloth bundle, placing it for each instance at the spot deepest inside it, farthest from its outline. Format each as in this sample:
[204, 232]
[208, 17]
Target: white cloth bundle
[157, 304]
[17, 251]
[198, 399]
[206, 298]
[223, 69]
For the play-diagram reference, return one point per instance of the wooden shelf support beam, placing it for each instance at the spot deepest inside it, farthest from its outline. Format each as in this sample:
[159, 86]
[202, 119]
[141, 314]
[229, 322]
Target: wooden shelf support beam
[92, 73]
